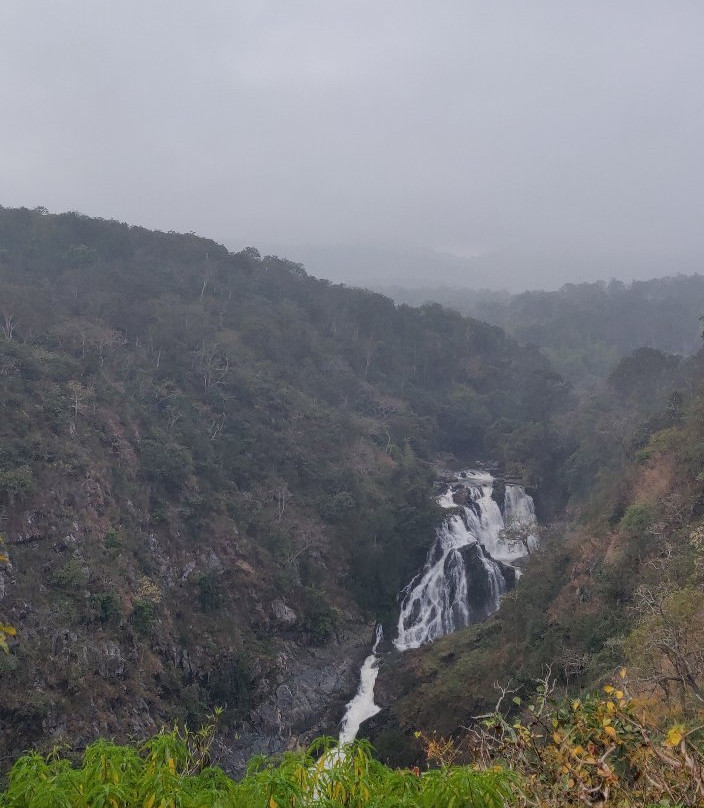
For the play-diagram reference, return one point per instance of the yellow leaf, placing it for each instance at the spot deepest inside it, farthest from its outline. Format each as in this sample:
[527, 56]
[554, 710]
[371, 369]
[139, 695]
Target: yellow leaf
[674, 736]
[557, 737]
[608, 689]
[273, 803]
[149, 802]
[611, 732]
[575, 704]
[619, 694]
[578, 750]
[610, 706]
[172, 765]
[622, 673]
[11, 631]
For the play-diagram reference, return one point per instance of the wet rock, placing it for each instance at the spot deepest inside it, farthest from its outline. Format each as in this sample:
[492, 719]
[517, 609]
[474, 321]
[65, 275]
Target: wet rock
[307, 692]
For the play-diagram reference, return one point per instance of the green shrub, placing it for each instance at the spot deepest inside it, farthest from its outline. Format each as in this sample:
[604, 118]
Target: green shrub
[319, 617]
[209, 592]
[16, 483]
[112, 539]
[637, 520]
[172, 769]
[143, 615]
[108, 607]
[72, 576]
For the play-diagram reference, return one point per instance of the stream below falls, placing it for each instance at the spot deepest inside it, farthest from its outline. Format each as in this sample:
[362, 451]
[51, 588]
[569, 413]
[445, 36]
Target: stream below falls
[469, 566]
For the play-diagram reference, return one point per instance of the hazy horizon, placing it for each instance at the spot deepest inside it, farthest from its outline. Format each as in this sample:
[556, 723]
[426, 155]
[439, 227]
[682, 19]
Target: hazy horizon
[506, 145]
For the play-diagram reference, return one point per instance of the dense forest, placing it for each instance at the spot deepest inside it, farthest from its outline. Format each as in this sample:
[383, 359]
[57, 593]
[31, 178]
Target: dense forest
[217, 473]
[585, 328]
[213, 466]
[616, 581]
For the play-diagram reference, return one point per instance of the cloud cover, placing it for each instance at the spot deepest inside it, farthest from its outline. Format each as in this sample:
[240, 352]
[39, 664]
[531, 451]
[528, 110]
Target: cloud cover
[552, 128]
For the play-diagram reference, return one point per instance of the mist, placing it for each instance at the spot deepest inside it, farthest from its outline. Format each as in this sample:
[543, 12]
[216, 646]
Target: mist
[499, 145]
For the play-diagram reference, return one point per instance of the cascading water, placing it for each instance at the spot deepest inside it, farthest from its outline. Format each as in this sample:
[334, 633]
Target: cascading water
[467, 571]
[468, 567]
[362, 705]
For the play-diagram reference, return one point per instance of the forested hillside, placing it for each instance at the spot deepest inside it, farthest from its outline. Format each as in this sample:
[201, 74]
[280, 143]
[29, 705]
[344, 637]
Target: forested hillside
[215, 472]
[586, 328]
[617, 584]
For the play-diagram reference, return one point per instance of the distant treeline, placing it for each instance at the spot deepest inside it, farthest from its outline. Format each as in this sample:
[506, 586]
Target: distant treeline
[585, 328]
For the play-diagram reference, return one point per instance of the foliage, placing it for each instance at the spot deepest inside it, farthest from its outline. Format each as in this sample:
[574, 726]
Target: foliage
[209, 592]
[586, 328]
[172, 769]
[522, 536]
[637, 519]
[601, 748]
[108, 607]
[16, 483]
[6, 630]
[319, 617]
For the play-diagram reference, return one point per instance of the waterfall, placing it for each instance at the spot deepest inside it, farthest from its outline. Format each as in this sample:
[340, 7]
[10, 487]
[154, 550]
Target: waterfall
[467, 570]
[468, 567]
[362, 705]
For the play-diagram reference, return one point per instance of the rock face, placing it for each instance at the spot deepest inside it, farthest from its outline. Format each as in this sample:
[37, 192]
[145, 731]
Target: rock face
[306, 695]
[479, 596]
[283, 615]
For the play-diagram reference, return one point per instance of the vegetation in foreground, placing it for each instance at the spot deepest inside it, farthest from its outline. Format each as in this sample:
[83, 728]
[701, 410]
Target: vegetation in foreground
[165, 772]
[605, 749]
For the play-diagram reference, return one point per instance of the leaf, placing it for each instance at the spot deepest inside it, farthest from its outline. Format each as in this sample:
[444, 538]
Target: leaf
[149, 802]
[517, 700]
[674, 735]
[608, 689]
[611, 732]
[622, 673]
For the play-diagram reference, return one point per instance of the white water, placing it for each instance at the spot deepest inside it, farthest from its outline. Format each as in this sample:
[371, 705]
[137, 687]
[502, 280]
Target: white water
[519, 509]
[447, 595]
[362, 705]
[439, 601]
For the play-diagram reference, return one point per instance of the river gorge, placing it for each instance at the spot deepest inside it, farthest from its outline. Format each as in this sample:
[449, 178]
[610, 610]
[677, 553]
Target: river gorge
[470, 565]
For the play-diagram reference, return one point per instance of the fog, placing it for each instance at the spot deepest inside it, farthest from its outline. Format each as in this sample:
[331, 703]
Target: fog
[499, 144]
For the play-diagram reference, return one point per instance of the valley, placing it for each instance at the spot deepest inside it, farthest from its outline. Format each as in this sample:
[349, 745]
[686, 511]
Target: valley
[224, 486]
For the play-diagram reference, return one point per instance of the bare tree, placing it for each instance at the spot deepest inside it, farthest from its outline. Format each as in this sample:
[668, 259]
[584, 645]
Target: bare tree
[668, 642]
[8, 326]
[520, 534]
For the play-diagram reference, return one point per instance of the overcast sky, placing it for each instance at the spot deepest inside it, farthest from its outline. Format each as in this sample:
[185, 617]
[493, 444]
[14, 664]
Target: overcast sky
[560, 128]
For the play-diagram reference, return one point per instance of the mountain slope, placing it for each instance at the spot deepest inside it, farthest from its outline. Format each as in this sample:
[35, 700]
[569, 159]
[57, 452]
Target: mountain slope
[215, 470]
[618, 584]
[584, 329]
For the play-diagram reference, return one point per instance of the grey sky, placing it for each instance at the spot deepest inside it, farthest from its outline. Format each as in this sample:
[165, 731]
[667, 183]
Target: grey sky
[557, 129]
